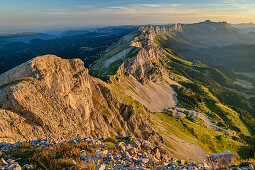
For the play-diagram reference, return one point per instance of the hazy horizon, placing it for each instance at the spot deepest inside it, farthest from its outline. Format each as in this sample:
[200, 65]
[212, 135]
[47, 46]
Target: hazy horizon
[28, 15]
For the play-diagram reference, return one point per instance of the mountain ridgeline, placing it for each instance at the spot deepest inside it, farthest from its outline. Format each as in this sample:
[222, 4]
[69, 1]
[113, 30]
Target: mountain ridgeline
[24, 37]
[86, 44]
[147, 90]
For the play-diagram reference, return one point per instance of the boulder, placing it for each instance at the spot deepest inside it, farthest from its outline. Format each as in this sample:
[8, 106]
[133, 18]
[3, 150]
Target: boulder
[206, 166]
[146, 145]
[135, 143]
[85, 157]
[101, 139]
[132, 151]
[26, 166]
[174, 160]
[165, 157]
[181, 162]
[105, 152]
[145, 160]
[144, 154]
[220, 159]
[10, 160]
[99, 154]
[13, 166]
[126, 155]
[251, 167]
[124, 166]
[156, 153]
[3, 162]
[121, 147]
[100, 167]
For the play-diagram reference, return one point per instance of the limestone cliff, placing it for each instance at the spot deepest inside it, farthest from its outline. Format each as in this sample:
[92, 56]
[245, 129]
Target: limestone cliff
[51, 97]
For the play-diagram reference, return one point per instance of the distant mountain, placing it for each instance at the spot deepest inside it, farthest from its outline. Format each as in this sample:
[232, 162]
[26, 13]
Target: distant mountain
[214, 34]
[85, 44]
[251, 33]
[74, 32]
[208, 27]
[24, 37]
[204, 34]
[219, 45]
[104, 30]
[118, 29]
[214, 43]
[244, 27]
[88, 47]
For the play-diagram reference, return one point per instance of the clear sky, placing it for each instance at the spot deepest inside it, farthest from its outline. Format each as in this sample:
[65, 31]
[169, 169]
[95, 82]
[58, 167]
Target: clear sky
[54, 14]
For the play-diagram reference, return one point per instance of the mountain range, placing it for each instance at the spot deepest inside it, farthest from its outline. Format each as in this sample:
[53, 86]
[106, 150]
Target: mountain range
[145, 84]
[24, 37]
[245, 27]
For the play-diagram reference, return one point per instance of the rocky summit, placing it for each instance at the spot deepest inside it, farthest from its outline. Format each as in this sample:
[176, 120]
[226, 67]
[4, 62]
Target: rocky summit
[55, 113]
[41, 97]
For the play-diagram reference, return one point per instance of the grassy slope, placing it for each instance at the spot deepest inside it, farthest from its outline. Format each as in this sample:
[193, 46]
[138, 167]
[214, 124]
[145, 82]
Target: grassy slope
[203, 77]
[205, 92]
[189, 130]
[202, 89]
[99, 69]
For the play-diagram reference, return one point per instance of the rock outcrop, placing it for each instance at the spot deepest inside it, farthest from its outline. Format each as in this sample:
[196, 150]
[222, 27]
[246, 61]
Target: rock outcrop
[142, 66]
[221, 159]
[127, 153]
[52, 97]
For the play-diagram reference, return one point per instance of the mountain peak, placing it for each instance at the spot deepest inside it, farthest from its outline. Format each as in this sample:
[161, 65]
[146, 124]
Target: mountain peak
[207, 21]
[212, 22]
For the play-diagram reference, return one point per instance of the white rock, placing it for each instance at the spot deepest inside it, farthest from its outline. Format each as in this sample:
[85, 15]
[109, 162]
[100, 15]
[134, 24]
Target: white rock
[100, 167]
[251, 167]
[105, 152]
[132, 151]
[3, 162]
[10, 160]
[13, 166]
[99, 154]
[135, 143]
[26, 166]
[145, 160]
[121, 146]
[146, 145]
[85, 157]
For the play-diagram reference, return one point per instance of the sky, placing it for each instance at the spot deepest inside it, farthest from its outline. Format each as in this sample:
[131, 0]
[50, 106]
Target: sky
[31, 15]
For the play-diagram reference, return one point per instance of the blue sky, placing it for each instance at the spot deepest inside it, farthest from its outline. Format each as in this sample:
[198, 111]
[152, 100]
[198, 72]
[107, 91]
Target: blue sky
[21, 15]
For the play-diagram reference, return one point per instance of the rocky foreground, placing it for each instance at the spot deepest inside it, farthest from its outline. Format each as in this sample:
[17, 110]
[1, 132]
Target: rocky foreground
[93, 153]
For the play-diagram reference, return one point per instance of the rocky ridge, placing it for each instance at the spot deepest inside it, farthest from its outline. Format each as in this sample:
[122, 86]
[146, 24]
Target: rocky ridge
[54, 98]
[155, 64]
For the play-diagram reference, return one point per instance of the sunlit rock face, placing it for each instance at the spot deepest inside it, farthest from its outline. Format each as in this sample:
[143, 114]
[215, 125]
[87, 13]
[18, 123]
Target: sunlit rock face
[49, 97]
